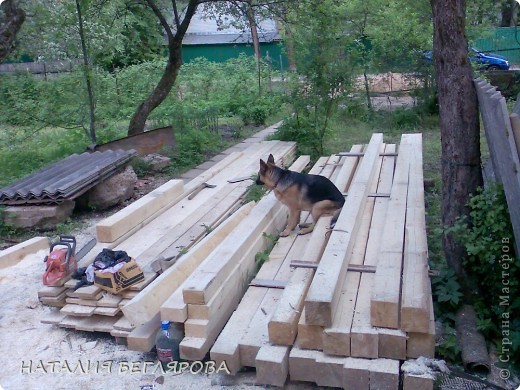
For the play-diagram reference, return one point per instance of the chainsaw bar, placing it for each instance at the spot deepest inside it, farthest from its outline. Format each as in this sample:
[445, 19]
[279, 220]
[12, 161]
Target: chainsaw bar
[86, 249]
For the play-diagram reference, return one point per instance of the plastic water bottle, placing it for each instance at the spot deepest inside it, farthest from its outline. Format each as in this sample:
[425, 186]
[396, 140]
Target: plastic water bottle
[167, 342]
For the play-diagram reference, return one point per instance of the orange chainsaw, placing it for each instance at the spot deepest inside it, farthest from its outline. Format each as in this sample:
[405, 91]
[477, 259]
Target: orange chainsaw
[62, 260]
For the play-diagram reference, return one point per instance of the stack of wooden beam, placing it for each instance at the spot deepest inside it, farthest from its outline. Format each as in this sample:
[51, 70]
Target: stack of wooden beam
[343, 308]
[163, 231]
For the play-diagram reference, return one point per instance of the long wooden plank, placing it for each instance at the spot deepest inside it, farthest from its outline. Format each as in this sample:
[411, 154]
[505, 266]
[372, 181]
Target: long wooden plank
[113, 227]
[283, 325]
[271, 361]
[385, 301]
[323, 295]
[210, 275]
[195, 348]
[226, 347]
[365, 339]
[337, 337]
[146, 305]
[16, 253]
[415, 310]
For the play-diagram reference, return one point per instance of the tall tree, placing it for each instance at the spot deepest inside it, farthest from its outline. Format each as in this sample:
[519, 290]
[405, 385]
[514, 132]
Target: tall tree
[11, 20]
[88, 74]
[173, 63]
[459, 123]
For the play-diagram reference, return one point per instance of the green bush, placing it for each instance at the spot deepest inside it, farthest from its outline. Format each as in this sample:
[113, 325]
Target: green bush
[488, 238]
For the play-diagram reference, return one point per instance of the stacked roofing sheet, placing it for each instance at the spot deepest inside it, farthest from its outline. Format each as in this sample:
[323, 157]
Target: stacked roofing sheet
[65, 179]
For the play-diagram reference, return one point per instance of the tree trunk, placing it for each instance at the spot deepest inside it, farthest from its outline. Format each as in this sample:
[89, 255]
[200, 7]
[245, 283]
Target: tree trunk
[88, 74]
[459, 121]
[508, 13]
[256, 44]
[163, 88]
[13, 20]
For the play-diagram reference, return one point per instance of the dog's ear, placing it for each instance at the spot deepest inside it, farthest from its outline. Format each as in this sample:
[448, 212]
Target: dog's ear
[263, 167]
[270, 159]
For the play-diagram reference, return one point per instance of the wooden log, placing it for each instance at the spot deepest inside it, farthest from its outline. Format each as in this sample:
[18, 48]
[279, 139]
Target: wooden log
[113, 227]
[221, 207]
[16, 253]
[147, 304]
[385, 301]
[272, 361]
[364, 339]
[329, 371]
[415, 300]
[323, 295]
[232, 291]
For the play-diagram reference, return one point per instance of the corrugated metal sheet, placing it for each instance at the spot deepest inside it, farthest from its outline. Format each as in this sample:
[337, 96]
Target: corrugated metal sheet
[65, 179]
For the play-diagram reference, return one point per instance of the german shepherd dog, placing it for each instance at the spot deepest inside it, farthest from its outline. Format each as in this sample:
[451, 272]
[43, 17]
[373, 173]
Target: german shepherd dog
[300, 191]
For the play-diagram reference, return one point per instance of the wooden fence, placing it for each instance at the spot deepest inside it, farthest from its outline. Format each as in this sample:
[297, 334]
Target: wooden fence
[42, 69]
[498, 126]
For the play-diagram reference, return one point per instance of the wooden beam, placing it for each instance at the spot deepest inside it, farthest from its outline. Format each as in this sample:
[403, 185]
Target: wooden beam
[415, 299]
[226, 347]
[113, 227]
[385, 301]
[283, 325]
[384, 374]
[323, 295]
[337, 337]
[147, 304]
[16, 253]
[142, 338]
[422, 344]
[364, 339]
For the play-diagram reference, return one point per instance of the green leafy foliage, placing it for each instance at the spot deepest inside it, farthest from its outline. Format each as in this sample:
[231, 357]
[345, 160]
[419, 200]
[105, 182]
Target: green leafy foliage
[488, 238]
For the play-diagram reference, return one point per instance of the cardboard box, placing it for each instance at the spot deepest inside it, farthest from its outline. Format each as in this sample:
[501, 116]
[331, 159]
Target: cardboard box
[126, 277]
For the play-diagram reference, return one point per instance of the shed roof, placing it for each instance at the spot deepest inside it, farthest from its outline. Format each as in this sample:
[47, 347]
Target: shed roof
[65, 179]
